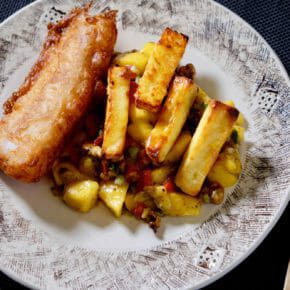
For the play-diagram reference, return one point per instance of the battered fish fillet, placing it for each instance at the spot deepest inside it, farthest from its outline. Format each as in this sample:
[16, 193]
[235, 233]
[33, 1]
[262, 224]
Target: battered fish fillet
[57, 92]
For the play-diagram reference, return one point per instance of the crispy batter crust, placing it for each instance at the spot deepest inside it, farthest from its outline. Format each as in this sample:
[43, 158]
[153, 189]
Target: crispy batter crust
[40, 116]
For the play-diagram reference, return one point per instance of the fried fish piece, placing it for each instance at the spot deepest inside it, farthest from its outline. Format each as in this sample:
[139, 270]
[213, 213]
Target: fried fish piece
[40, 116]
[212, 132]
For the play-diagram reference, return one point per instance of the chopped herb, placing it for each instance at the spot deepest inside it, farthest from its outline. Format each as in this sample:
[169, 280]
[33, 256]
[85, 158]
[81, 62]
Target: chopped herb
[133, 152]
[235, 136]
[113, 167]
[100, 132]
[206, 198]
[119, 180]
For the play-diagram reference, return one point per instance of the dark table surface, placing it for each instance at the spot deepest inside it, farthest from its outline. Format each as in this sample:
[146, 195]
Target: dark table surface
[266, 267]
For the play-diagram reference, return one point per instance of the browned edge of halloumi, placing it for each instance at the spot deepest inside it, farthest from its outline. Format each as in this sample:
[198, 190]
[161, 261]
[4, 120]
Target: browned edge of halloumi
[172, 118]
[159, 70]
[117, 112]
[212, 132]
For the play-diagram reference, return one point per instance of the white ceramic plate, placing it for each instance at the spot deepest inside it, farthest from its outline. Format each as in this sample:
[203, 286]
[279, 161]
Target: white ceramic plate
[46, 245]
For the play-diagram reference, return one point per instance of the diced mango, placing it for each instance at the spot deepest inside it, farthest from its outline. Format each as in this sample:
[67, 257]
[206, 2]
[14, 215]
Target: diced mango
[202, 96]
[219, 174]
[240, 121]
[230, 103]
[174, 203]
[231, 166]
[140, 131]
[226, 169]
[137, 115]
[160, 174]
[141, 197]
[81, 195]
[179, 147]
[241, 132]
[148, 48]
[137, 59]
[113, 195]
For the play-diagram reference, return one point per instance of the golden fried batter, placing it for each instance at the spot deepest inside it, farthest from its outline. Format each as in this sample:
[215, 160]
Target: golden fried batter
[40, 116]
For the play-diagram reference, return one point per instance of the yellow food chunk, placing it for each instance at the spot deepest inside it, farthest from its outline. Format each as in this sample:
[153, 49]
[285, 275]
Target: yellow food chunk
[179, 147]
[219, 174]
[241, 120]
[227, 168]
[202, 96]
[172, 118]
[230, 103]
[148, 48]
[160, 174]
[213, 130]
[137, 115]
[65, 173]
[174, 203]
[113, 195]
[136, 59]
[81, 195]
[132, 200]
[241, 131]
[87, 166]
[140, 131]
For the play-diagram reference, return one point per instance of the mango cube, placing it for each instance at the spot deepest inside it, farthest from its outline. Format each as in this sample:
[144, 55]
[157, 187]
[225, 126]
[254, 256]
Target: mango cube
[81, 195]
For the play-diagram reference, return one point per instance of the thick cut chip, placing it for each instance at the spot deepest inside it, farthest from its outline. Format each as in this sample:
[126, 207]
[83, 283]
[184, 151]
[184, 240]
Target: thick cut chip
[212, 132]
[173, 116]
[160, 69]
[117, 112]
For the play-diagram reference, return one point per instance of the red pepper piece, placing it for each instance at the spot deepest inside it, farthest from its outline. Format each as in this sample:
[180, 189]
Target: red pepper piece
[133, 89]
[169, 184]
[138, 210]
[132, 172]
[99, 140]
[143, 158]
[144, 180]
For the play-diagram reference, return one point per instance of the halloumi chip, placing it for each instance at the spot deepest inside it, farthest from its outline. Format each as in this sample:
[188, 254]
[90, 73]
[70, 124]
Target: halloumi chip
[212, 132]
[159, 70]
[117, 112]
[172, 118]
